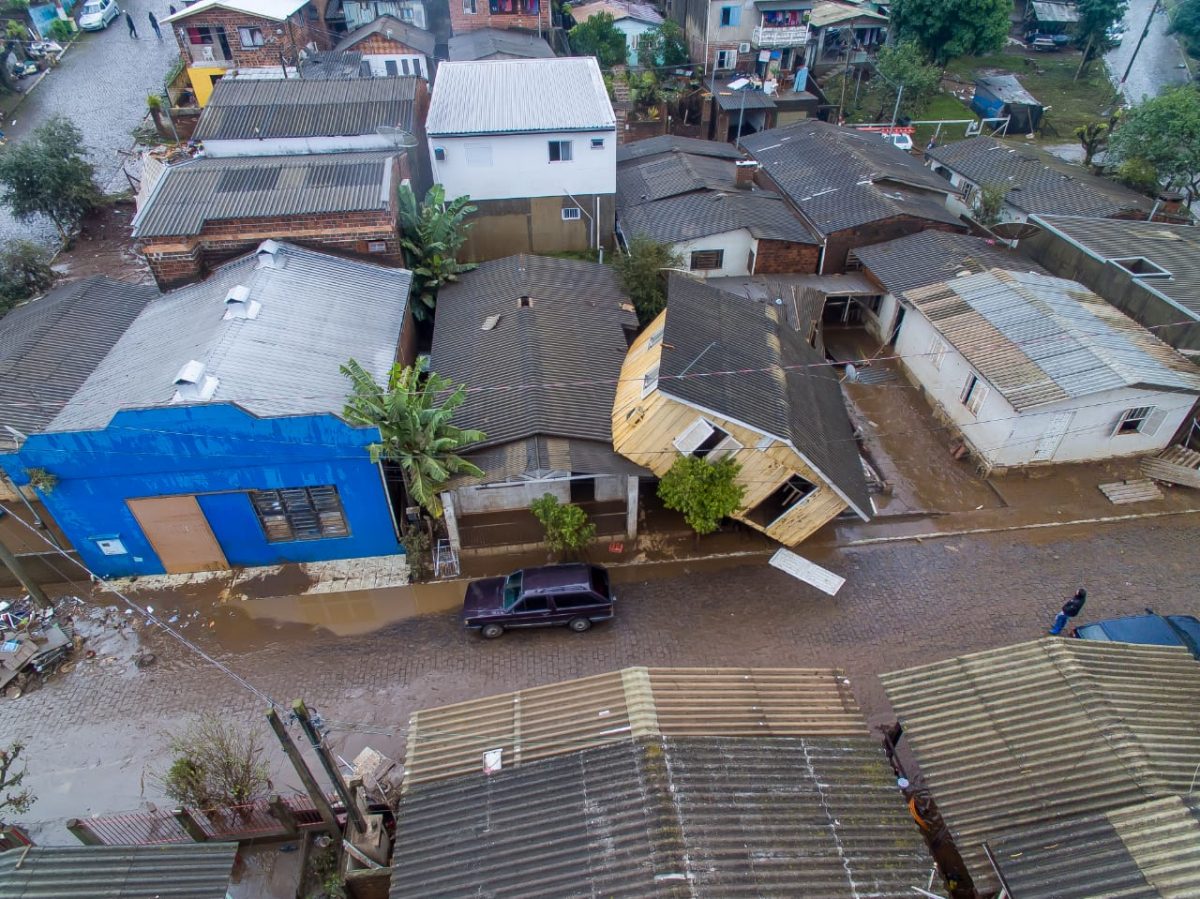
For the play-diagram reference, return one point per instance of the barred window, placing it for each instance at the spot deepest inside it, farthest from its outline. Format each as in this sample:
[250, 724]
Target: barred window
[300, 513]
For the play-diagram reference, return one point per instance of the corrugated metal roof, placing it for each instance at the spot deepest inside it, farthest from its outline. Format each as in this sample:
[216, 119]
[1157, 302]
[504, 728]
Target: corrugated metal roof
[1142, 851]
[824, 14]
[618, 9]
[840, 177]
[332, 65]
[928, 257]
[766, 216]
[486, 43]
[667, 817]
[268, 9]
[548, 368]
[1038, 181]
[1048, 11]
[746, 98]
[1039, 339]
[252, 108]
[513, 460]
[668, 175]
[183, 871]
[193, 193]
[561, 718]
[671, 143]
[1006, 88]
[393, 29]
[317, 311]
[1175, 248]
[506, 96]
[1033, 734]
[767, 377]
[49, 346]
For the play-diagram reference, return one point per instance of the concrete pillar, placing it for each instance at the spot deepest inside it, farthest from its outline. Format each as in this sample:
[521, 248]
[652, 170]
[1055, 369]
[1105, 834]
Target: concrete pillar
[631, 507]
[451, 517]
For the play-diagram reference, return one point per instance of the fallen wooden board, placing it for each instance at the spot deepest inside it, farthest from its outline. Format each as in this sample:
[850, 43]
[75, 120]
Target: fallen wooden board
[802, 569]
[1162, 470]
[1134, 490]
[1180, 455]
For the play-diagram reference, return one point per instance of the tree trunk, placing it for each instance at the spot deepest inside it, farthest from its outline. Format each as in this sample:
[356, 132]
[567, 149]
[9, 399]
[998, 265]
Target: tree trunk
[1087, 52]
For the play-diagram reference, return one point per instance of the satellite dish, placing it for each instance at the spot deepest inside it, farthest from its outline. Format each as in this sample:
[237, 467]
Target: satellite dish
[1015, 230]
[398, 136]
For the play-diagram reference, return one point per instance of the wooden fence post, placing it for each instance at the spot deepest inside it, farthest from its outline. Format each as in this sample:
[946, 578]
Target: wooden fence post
[188, 821]
[82, 833]
[283, 814]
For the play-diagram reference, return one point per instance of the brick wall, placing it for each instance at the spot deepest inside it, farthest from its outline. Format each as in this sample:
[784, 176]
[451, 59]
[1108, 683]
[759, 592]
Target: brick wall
[279, 38]
[382, 45]
[778, 257]
[461, 22]
[839, 243]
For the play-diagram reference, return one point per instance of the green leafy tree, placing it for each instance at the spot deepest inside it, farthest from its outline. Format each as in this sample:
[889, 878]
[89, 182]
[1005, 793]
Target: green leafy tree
[24, 271]
[599, 37]
[413, 415]
[48, 174]
[1185, 21]
[567, 527]
[662, 45]
[705, 492]
[642, 275]
[989, 203]
[215, 764]
[950, 28]
[905, 64]
[1091, 32]
[1137, 174]
[433, 233]
[13, 799]
[1163, 133]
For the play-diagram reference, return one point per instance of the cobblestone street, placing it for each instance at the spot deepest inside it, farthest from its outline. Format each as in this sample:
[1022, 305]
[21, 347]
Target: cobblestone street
[94, 733]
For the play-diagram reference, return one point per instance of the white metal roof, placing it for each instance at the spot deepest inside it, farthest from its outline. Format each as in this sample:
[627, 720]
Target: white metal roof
[268, 9]
[504, 96]
[1039, 339]
[316, 312]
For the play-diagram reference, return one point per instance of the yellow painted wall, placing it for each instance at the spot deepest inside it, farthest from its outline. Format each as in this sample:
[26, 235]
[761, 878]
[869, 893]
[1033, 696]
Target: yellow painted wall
[644, 430]
[202, 78]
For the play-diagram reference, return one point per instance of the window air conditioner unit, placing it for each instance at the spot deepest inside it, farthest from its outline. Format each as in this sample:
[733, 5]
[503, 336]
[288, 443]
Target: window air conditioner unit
[744, 47]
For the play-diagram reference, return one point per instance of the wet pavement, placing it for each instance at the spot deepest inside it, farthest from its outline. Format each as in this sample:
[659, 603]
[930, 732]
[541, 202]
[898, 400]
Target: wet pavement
[1160, 62]
[96, 734]
[101, 85]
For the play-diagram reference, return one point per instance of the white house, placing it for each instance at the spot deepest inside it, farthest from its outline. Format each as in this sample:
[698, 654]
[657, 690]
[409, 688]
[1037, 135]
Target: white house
[1036, 369]
[532, 142]
[630, 18]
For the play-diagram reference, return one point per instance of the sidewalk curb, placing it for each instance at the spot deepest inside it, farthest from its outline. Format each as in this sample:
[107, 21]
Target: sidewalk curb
[42, 77]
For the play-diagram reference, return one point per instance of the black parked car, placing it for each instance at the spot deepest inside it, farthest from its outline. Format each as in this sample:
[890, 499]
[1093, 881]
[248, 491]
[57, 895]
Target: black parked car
[573, 595]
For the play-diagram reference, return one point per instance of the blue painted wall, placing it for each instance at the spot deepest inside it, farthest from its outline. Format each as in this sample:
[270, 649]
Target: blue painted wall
[217, 452]
[630, 27]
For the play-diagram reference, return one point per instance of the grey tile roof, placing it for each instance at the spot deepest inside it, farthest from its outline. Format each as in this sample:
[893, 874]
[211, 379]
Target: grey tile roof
[1038, 182]
[246, 109]
[49, 346]
[507, 96]
[392, 28]
[763, 373]
[928, 257]
[667, 817]
[1039, 339]
[185, 871]
[765, 215]
[839, 177]
[548, 369]
[488, 43]
[747, 98]
[1175, 248]
[1033, 734]
[513, 460]
[316, 312]
[1007, 88]
[670, 143]
[641, 181]
[1143, 851]
[192, 193]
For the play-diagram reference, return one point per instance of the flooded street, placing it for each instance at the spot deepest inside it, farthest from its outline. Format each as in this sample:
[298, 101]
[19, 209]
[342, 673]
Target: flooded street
[97, 734]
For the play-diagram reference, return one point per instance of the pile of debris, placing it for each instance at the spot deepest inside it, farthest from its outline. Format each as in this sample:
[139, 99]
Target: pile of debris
[34, 643]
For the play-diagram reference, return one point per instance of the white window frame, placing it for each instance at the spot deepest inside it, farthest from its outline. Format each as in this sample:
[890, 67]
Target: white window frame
[937, 352]
[974, 392]
[246, 37]
[726, 59]
[1143, 415]
[563, 145]
[655, 339]
[650, 381]
[700, 431]
[597, 143]
[469, 7]
[406, 14]
[571, 214]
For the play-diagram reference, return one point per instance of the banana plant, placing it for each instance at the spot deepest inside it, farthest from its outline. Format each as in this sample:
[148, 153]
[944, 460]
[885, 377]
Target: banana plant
[432, 234]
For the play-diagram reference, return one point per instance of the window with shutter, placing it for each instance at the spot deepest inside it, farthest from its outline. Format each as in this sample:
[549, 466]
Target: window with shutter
[650, 381]
[695, 435]
[300, 513]
[1139, 420]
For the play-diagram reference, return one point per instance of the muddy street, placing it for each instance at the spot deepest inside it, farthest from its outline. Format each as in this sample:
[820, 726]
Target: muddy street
[97, 734]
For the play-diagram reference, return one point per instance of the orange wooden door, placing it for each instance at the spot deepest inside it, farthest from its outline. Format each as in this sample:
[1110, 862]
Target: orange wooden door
[179, 532]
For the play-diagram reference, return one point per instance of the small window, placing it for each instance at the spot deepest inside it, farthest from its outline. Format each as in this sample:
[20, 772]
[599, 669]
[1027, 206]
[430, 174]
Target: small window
[390, 67]
[706, 441]
[301, 513]
[650, 381]
[937, 352]
[469, 7]
[726, 59]
[570, 214]
[524, 302]
[376, 246]
[1135, 421]
[655, 339]
[597, 143]
[973, 395]
[251, 37]
[560, 151]
[406, 14]
[791, 493]
[439, 153]
[707, 260]
[730, 15]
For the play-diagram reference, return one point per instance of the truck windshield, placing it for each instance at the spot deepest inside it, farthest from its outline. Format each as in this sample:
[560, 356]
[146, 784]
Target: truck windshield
[512, 590]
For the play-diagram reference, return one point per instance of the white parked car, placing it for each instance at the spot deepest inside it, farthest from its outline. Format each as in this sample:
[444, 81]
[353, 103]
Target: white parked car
[899, 140]
[97, 14]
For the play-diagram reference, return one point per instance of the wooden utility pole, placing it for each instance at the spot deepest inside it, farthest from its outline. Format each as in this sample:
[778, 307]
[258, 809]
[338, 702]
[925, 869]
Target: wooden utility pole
[306, 776]
[353, 812]
[31, 587]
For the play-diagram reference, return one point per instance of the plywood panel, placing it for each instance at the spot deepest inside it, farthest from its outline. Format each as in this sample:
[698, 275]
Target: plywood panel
[179, 533]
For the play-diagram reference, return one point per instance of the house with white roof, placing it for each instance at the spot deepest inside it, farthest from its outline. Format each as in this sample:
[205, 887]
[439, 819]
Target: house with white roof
[532, 142]
[1033, 369]
[212, 435]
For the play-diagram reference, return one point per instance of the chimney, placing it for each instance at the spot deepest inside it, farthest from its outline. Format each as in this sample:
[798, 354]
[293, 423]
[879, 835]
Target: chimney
[744, 179]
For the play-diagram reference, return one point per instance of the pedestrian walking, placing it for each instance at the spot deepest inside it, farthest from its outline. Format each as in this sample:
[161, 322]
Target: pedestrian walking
[154, 25]
[129, 22]
[1070, 609]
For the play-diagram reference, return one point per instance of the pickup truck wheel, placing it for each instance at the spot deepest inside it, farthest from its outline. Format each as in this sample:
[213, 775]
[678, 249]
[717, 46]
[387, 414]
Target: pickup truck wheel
[579, 625]
[491, 631]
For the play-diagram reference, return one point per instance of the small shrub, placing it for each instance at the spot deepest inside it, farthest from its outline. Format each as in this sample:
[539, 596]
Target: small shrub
[216, 764]
[60, 31]
[567, 526]
[24, 272]
[42, 479]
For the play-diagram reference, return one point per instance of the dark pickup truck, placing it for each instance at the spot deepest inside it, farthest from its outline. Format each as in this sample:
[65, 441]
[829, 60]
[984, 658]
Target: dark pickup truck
[575, 596]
